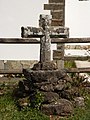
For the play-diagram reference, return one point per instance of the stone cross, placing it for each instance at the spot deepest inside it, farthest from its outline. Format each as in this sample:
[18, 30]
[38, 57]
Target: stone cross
[57, 10]
[45, 46]
[45, 32]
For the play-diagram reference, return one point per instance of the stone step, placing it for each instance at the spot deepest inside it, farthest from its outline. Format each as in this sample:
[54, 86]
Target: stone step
[56, 1]
[53, 6]
[57, 14]
[61, 107]
[57, 22]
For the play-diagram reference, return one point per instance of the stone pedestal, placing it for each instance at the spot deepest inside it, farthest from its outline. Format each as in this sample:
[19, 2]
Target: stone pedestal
[44, 84]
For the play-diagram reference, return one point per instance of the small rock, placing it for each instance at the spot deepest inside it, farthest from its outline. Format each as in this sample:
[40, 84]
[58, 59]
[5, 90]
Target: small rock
[68, 78]
[61, 107]
[59, 87]
[47, 88]
[50, 97]
[79, 102]
[1, 93]
[23, 102]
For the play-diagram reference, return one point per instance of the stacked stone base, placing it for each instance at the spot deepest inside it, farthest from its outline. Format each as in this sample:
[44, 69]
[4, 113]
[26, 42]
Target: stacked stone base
[45, 87]
[50, 90]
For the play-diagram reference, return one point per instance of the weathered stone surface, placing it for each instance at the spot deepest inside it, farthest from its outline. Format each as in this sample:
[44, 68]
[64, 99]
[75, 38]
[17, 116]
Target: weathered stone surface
[59, 86]
[53, 6]
[57, 14]
[56, 1]
[45, 20]
[54, 31]
[69, 93]
[32, 31]
[49, 66]
[58, 30]
[45, 66]
[19, 64]
[45, 46]
[61, 107]
[55, 86]
[47, 87]
[28, 63]
[12, 64]
[50, 97]
[79, 102]
[42, 76]
[1, 64]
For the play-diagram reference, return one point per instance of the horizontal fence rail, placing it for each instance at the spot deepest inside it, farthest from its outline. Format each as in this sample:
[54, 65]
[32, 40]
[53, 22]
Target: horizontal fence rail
[35, 41]
[82, 58]
[68, 70]
[78, 70]
[11, 71]
[53, 41]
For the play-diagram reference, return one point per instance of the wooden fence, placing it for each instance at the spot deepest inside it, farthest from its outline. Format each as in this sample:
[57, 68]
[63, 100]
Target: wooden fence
[57, 10]
[54, 41]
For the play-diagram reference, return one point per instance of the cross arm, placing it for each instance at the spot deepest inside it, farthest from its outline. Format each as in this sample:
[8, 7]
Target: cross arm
[55, 32]
[29, 32]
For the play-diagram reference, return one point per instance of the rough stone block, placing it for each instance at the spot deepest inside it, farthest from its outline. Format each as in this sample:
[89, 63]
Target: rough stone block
[31, 31]
[61, 107]
[45, 66]
[56, 1]
[60, 64]
[44, 76]
[57, 14]
[44, 86]
[28, 63]
[1, 64]
[49, 66]
[50, 97]
[58, 55]
[12, 64]
[57, 22]
[53, 6]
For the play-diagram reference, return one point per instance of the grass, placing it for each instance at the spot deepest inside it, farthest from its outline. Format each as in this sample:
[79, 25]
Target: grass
[69, 64]
[81, 113]
[9, 110]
